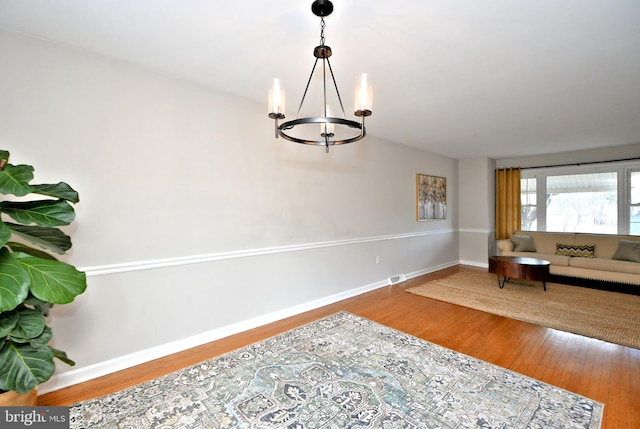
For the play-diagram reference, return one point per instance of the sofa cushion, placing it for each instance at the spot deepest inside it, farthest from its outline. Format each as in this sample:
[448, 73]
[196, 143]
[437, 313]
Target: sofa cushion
[545, 242]
[602, 264]
[505, 246]
[606, 244]
[628, 251]
[576, 250]
[523, 243]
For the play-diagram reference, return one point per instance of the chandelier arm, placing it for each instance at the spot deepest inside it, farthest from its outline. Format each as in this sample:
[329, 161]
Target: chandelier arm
[324, 70]
[307, 88]
[324, 87]
[335, 85]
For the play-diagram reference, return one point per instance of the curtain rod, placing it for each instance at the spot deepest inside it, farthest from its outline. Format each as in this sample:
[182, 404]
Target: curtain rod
[581, 163]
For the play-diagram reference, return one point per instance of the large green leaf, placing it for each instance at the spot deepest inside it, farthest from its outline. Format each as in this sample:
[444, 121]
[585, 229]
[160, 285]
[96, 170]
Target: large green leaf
[14, 179]
[44, 338]
[21, 247]
[8, 321]
[24, 366]
[40, 212]
[5, 233]
[52, 281]
[14, 281]
[29, 326]
[45, 237]
[59, 190]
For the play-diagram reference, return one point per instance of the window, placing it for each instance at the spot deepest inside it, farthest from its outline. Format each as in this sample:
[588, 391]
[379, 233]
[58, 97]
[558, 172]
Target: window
[528, 204]
[634, 202]
[603, 198]
[583, 203]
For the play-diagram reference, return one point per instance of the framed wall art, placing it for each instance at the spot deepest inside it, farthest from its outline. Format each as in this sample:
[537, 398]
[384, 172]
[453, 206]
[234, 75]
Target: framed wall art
[431, 197]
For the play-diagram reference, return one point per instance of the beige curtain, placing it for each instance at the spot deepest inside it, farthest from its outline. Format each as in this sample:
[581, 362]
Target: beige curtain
[508, 210]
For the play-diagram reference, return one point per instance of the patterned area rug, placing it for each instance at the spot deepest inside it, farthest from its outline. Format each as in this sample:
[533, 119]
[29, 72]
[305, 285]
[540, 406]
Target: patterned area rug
[605, 315]
[341, 372]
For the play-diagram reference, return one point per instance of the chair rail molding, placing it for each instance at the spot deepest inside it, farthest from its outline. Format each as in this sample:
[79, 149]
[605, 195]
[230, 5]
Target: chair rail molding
[102, 270]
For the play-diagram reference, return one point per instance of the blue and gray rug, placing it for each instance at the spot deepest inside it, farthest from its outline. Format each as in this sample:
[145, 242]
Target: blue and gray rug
[341, 372]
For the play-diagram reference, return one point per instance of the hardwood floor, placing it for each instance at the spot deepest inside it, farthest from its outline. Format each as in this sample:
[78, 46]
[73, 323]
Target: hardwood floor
[602, 371]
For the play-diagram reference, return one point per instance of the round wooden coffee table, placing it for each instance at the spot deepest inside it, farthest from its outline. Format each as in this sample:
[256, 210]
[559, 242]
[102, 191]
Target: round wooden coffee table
[519, 268]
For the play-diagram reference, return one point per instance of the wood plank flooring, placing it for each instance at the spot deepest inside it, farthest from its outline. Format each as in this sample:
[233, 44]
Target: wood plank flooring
[602, 371]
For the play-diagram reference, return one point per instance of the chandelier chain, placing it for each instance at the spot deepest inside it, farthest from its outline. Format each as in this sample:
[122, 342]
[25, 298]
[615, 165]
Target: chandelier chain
[322, 25]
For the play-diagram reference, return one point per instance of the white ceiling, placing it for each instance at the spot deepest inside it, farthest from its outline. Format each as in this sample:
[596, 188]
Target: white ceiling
[463, 78]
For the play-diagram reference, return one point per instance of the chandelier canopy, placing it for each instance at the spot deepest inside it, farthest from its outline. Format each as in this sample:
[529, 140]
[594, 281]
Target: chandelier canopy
[326, 129]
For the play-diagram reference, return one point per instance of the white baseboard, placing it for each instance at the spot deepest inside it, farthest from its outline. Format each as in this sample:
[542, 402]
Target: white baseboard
[75, 376]
[475, 264]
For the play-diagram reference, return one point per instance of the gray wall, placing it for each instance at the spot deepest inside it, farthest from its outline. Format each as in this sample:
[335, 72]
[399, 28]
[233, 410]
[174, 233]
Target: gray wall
[194, 222]
[477, 210]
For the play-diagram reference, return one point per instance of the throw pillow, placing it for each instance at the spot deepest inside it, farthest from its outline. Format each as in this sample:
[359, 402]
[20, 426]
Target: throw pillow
[523, 243]
[576, 250]
[628, 251]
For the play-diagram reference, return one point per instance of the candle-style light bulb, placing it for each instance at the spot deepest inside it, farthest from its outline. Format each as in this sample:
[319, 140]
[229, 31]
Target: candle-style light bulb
[363, 96]
[276, 100]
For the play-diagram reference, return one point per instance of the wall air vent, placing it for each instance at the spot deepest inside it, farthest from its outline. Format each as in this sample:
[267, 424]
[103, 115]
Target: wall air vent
[398, 278]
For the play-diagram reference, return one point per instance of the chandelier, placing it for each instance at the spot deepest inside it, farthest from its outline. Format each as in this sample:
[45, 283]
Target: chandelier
[326, 129]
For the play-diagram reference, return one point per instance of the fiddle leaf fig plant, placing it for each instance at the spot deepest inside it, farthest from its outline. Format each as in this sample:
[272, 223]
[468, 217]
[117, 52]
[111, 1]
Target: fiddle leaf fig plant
[32, 280]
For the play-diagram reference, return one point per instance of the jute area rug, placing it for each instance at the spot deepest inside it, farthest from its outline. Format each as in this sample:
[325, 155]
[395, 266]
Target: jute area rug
[341, 372]
[609, 316]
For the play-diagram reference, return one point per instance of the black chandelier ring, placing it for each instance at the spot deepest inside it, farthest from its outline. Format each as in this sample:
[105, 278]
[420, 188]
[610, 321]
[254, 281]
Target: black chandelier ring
[321, 120]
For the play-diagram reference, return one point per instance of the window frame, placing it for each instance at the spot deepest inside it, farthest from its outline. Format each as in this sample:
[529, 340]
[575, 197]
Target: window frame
[623, 171]
[629, 172]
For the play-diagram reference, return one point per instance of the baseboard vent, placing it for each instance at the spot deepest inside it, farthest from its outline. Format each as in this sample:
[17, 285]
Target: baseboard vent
[398, 278]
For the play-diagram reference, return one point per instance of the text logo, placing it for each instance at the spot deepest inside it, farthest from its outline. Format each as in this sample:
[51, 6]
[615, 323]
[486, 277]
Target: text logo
[34, 417]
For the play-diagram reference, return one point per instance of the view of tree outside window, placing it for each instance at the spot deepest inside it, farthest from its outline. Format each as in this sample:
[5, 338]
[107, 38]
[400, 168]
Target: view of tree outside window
[583, 203]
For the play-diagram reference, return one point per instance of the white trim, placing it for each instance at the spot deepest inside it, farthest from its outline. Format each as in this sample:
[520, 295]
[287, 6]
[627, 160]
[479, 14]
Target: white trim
[477, 230]
[75, 376]
[102, 270]
[475, 264]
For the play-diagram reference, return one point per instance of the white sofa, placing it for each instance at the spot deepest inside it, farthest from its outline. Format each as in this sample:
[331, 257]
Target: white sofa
[611, 259]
